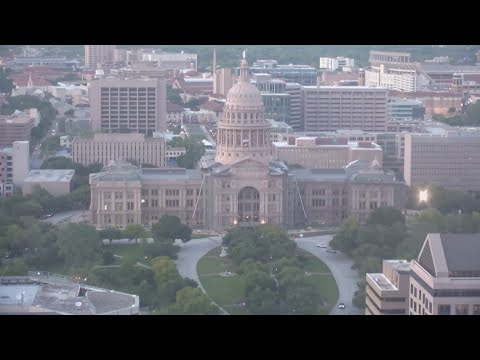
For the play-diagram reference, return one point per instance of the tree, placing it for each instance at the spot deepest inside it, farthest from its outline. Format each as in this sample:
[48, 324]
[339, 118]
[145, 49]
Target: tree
[302, 299]
[167, 279]
[258, 278]
[108, 257]
[51, 145]
[110, 233]
[386, 216]
[135, 231]
[192, 301]
[79, 244]
[170, 227]
[344, 238]
[262, 301]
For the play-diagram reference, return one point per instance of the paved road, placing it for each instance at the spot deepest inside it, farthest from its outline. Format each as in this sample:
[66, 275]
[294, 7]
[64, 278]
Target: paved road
[341, 267]
[189, 255]
[66, 216]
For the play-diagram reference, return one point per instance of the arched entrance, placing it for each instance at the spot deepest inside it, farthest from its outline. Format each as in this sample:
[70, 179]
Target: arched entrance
[248, 205]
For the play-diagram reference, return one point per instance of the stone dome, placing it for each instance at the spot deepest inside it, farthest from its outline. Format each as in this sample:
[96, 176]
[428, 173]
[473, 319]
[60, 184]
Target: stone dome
[244, 93]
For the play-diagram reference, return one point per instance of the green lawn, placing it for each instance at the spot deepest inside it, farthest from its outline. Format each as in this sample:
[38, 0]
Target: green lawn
[315, 265]
[200, 236]
[135, 251]
[227, 291]
[224, 290]
[327, 288]
[213, 265]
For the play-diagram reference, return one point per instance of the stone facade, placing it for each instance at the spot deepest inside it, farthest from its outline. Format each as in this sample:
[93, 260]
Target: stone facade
[240, 185]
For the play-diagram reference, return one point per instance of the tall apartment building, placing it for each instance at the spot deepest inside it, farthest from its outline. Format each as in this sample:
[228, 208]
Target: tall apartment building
[14, 167]
[98, 54]
[136, 104]
[336, 63]
[450, 161]
[295, 92]
[331, 108]
[387, 292]
[104, 148]
[445, 278]
[15, 128]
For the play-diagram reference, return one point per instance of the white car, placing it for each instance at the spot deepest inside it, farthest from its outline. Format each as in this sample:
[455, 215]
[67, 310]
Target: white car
[321, 245]
[341, 306]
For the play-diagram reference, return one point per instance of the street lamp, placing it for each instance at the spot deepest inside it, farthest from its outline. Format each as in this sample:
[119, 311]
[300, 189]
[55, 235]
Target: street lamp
[423, 195]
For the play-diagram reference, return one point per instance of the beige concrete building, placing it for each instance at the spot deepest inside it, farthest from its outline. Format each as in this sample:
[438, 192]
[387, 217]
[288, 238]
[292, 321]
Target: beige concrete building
[388, 291]
[56, 182]
[14, 167]
[295, 92]
[96, 55]
[175, 113]
[325, 153]
[330, 108]
[445, 279]
[434, 102]
[136, 104]
[16, 127]
[451, 161]
[241, 184]
[222, 81]
[104, 148]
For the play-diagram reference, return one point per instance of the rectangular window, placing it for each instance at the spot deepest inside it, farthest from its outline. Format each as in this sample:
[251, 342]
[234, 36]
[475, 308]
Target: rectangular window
[443, 309]
[129, 218]
[118, 195]
[461, 309]
[476, 309]
[415, 291]
[130, 205]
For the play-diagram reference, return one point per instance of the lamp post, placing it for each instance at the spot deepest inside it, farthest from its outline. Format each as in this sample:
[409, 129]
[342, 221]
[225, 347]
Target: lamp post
[423, 196]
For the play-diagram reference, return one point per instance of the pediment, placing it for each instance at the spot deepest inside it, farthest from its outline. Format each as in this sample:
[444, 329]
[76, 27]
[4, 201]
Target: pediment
[248, 162]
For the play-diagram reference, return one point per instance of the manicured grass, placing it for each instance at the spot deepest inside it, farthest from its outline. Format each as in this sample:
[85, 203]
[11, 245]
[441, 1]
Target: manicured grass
[134, 251]
[236, 310]
[227, 291]
[213, 265]
[327, 288]
[200, 236]
[315, 265]
[224, 290]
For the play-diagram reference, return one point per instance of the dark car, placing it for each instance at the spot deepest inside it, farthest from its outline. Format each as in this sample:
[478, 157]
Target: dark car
[331, 251]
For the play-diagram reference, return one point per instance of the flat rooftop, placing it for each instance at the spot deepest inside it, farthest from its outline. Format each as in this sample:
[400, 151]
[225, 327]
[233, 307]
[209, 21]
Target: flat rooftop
[50, 175]
[45, 293]
[350, 144]
[382, 282]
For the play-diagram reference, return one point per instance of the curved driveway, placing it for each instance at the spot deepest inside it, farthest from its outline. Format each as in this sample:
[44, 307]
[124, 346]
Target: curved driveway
[190, 254]
[341, 267]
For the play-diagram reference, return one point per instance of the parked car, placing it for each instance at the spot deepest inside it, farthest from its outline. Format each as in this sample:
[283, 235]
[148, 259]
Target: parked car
[321, 245]
[341, 306]
[332, 251]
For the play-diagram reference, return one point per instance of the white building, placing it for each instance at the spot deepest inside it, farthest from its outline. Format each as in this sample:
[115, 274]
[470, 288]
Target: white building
[336, 63]
[400, 77]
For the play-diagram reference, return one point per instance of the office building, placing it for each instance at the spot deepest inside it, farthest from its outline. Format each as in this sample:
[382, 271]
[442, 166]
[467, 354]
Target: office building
[445, 278]
[302, 74]
[15, 127]
[331, 108]
[450, 161]
[135, 104]
[56, 182]
[400, 109]
[325, 153]
[336, 63]
[133, 147]
[98, 56]
[388, 292]
[295, 118]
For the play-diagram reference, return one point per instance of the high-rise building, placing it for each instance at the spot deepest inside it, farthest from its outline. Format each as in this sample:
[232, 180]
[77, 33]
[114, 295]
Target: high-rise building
[295, 118]
[104, 148]
[21, 161]
[450, 161]
[15, 127]
[135, 104]
[96, 55]
[302, 74]
[331, 108]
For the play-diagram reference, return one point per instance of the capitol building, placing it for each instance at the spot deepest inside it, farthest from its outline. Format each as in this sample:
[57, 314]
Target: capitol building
[242, 184]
